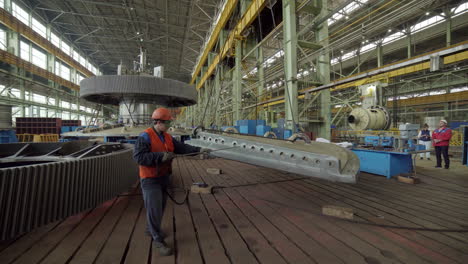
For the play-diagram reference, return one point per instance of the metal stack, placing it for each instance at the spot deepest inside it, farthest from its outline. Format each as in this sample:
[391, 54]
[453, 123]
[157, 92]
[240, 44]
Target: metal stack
[43, 182]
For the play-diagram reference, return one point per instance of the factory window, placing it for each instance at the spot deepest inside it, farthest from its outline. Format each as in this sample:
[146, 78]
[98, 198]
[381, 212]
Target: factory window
[334, 61]
[16, 110]
[74, 106]
[39, 58]
[15, 92]
[348, 55]
[427, 23]
[393, 37]
[82, 60]
[57, 68]
[65, 115]
[51, 113]
[20, 14]
[461, 9]
[51, 101]
[82, 108]
[456, 90]
[64, 104]
[2, 4]
[76, 56]
[65, 72]
[38, 98]
[65, 48]
[55, 40]
[368, 47]
[25, 51]
[3, 42]
[79, 78]
[38, 27]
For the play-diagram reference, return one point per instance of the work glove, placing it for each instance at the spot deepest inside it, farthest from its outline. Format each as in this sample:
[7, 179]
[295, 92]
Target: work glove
[168, 156]
[205, 150]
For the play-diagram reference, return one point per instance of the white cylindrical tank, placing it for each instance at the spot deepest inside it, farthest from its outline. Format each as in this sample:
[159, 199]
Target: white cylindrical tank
[374, 118]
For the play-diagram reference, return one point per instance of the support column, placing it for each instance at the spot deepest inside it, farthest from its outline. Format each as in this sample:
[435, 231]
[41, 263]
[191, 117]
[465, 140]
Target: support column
[237, 83]
[379, 49]
[410, 51]
[449, 29]
[358, 57]
[206, 104]
[217, 86]
[290, 62]
[323, 74]
[261, 81]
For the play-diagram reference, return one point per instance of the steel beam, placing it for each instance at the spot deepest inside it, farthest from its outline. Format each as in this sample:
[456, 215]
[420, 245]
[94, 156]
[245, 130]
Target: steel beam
[319, 160]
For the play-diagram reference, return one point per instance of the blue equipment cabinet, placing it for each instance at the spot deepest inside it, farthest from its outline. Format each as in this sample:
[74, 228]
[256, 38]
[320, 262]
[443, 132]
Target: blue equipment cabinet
[386, 163]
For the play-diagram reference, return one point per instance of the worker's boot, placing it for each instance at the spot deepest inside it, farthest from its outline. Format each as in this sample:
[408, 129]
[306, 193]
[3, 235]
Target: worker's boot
[162, 247]
[162, 235]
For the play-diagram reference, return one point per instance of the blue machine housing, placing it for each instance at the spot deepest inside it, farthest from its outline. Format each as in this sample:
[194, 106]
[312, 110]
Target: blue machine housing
[386, 163]
[378, 141]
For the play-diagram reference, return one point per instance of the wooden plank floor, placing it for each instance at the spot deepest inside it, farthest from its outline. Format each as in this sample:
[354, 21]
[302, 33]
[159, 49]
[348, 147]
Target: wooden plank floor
[266, 216]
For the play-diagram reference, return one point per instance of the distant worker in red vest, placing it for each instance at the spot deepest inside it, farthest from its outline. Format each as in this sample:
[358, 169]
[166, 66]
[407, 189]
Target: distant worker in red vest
[441, 139]
[154, 151]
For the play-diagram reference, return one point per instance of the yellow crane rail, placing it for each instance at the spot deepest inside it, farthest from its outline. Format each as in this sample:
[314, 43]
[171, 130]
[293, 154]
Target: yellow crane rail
[252, 12]
[223, 19]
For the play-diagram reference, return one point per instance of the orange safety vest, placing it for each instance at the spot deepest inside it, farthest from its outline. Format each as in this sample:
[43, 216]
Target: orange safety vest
[158, 146]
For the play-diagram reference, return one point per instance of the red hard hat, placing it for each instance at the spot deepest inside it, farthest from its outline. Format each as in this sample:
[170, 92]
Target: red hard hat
[162, 114]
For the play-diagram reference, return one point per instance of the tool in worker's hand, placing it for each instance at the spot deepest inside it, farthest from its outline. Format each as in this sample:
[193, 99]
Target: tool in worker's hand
[196, 153]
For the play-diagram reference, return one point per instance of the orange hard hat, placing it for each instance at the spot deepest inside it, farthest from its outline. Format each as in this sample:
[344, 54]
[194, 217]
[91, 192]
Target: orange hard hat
[161, 114]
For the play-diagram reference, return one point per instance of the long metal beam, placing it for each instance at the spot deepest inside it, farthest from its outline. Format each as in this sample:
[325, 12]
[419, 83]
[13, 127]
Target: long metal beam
[223, 19]
[252, 12]
[392, 70]
[315, 159]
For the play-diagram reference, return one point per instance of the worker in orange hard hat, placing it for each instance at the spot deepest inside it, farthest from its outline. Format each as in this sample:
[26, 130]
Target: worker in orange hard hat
[154, 151]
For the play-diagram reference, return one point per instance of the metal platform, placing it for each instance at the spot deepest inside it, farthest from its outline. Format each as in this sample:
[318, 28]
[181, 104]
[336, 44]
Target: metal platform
[270, 217]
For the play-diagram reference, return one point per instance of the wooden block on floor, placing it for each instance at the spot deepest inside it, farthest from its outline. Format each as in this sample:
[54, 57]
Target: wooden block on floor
[204, 190]
[409, 180]
[214, 171]
[337, 211]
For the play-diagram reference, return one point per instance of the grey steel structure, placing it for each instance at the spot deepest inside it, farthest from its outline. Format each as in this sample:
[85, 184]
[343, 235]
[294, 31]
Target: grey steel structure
[315, 159]
[137, 95]
[44, 182]
[112, 89]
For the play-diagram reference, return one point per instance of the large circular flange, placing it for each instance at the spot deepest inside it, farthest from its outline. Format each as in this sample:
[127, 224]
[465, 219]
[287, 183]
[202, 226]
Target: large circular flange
[111, 89]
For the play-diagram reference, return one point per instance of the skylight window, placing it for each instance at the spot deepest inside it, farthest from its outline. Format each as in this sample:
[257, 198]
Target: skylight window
[348, 55]
[427, 23]
[461, 9]
[368, 47]
[393, 37]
